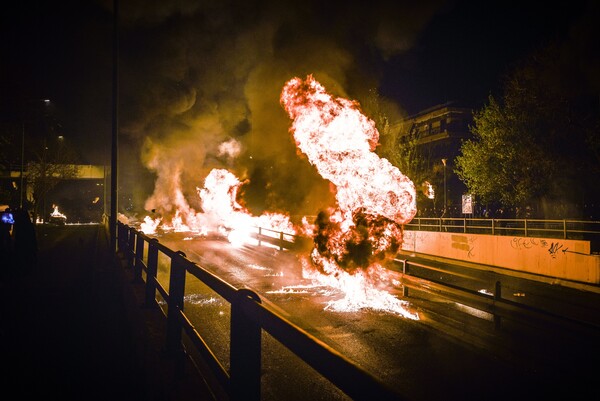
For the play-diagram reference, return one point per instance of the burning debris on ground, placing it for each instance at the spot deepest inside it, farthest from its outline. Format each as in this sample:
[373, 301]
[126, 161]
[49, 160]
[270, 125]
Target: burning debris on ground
[57, 217]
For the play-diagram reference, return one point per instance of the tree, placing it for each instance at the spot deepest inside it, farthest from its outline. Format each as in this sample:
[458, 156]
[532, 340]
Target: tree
[504, 162]
[537, 145]
[53, 161]
[5, 192]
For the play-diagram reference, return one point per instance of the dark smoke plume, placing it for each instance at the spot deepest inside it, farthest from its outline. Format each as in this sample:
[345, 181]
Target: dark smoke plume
[199, 74]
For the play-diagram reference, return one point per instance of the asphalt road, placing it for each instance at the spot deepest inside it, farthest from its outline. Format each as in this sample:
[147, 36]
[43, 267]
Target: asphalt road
[66, 334]
[450, 352]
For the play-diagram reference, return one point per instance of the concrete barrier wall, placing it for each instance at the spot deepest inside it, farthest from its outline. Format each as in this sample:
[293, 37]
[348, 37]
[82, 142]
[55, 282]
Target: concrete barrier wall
[560, 258]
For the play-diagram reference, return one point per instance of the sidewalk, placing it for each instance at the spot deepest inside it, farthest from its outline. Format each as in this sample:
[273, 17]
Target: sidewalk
[74, 328]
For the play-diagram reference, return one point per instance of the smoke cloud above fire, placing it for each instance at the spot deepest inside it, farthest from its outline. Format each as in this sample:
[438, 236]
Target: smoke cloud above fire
[200, 85]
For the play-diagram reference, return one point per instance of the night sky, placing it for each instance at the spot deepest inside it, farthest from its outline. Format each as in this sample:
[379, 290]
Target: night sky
[195, 74]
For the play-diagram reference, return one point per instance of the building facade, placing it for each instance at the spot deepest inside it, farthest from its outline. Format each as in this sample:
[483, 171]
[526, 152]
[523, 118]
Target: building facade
[438, 133]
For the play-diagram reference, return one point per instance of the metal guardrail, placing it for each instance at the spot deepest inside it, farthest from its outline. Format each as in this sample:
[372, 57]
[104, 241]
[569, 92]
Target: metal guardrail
[565, 229]
[493, 302]
[249, 317]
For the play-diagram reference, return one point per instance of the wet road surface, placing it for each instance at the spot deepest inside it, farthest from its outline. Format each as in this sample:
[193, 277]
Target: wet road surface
[450, 352]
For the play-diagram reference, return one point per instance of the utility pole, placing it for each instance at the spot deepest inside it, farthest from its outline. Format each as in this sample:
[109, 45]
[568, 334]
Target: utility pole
[115, 133]
[444, 213]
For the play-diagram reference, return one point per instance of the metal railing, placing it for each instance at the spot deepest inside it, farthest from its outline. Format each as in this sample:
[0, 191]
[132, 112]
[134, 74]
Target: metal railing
[420, 277]
[565, 229]
[249, 317]
[465, 288]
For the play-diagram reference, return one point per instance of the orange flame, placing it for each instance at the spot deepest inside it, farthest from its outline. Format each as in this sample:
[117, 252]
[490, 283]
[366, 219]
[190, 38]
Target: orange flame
[56, 213]
[221, 213]
[373, 200]
[373, 197]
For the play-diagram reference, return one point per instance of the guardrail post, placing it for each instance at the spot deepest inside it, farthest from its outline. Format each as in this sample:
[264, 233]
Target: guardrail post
[404, 271]
[151, 273]
[564, 229]
[497, 297]
[123, 238]
[493, 225]
[245, 350]
[120, 237]
[259, 234]
[281, 241]
[464, 225]
[139, 256]
[525, 225]
[175, 304]
[130, 246]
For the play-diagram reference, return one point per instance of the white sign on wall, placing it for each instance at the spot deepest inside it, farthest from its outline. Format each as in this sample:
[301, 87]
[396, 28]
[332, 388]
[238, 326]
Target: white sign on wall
[467, 204]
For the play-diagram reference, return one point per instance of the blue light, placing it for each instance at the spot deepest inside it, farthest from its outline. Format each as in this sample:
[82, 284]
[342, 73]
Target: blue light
[7, 218]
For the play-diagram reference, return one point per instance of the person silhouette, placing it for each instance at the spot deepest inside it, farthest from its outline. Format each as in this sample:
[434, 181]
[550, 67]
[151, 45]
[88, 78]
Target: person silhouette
[24, 242]
[6, 245]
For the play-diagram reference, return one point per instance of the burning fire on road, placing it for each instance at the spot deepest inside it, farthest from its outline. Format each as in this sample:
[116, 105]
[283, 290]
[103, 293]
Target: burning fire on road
[373, 197]
[353, 238]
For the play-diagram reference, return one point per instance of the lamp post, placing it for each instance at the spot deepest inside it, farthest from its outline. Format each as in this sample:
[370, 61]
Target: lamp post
[114, 160]
[444, 213]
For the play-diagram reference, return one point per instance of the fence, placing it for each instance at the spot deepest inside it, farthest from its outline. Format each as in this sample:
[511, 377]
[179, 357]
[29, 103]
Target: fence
[249, 317]
[565, 229]
[465, 286]
[421, 277]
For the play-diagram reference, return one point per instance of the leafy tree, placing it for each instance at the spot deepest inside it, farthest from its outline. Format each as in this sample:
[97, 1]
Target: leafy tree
[538, 144]
[505, 161]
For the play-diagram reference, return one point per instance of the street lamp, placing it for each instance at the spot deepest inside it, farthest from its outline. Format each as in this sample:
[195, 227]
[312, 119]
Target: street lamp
[444, 213]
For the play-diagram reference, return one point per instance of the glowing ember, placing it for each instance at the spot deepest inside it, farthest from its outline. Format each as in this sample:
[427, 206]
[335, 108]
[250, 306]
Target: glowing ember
[373, 197]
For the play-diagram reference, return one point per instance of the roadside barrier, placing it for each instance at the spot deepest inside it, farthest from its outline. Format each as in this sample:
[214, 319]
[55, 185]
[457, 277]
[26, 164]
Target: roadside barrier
[565, 229]
[249, 317]
[422, 278]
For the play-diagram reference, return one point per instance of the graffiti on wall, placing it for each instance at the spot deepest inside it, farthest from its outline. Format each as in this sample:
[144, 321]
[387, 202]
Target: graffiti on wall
[553, 248]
